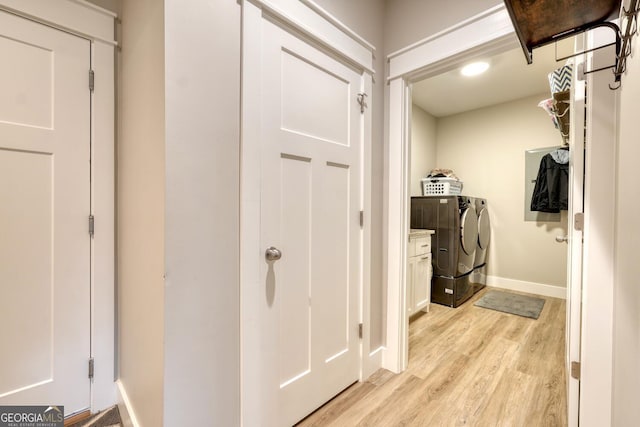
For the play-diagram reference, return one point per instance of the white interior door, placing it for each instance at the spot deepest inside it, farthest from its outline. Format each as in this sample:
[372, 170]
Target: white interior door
[311, 196]
[574, 255]
[44, 209]
[598, 255]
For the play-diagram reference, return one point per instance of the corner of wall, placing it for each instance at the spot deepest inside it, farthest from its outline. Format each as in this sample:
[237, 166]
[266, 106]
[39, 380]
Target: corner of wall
[127, 414]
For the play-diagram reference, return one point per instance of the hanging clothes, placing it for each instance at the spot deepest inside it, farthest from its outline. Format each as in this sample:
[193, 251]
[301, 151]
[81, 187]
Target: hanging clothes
[551, 192]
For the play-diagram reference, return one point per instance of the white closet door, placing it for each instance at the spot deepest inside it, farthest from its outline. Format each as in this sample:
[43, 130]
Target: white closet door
[311, 184]
[44, 209]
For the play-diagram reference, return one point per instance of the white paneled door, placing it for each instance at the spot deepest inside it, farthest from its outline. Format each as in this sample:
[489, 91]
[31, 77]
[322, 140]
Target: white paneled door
[44, 209]
[311, 196]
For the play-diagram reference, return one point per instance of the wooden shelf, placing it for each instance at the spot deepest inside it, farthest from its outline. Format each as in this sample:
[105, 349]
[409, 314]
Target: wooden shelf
[543, 21]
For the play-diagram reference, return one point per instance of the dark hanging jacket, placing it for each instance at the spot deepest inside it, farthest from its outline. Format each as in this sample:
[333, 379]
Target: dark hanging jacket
[551, 193]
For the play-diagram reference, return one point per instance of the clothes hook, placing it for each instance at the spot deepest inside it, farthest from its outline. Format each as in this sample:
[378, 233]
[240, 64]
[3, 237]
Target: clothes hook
[362, 101]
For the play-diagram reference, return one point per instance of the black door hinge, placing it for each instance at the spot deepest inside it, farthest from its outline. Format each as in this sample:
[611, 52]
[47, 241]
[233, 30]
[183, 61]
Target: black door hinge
[92, 225]
[91, 367]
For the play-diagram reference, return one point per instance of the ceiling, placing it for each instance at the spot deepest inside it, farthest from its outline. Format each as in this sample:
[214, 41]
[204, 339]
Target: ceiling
[509, 78]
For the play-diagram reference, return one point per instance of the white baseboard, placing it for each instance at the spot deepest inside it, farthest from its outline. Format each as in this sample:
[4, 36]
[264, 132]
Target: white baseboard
[375, 362]
[372, 363]
[388, 364]
[528, 287]
[127, 414]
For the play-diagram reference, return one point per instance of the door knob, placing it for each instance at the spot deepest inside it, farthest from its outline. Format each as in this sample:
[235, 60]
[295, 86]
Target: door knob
[561, 239]
[272, 254]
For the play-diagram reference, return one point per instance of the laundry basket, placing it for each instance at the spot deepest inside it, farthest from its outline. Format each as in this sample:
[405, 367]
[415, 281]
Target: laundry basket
[441, 187]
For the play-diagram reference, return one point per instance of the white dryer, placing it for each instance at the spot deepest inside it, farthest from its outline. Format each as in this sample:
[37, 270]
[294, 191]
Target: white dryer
[479, 275]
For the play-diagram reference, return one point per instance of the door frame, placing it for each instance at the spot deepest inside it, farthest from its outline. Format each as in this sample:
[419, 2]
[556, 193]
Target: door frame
[429, 57]
[309, 21]
[96, 25]
[488, 33]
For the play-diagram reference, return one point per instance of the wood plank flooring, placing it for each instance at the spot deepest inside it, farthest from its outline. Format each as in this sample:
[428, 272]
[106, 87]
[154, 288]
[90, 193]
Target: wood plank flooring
[468, 366]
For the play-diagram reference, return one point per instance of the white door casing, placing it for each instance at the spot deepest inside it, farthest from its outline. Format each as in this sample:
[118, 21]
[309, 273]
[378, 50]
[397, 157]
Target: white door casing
[45, 193]
[307, 137]
[485, 34]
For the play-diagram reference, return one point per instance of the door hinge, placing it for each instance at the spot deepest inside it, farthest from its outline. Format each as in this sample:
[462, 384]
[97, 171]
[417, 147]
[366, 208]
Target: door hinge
[360, 330]
[91, 367]
[92, 79]
[361, 218]
[578, 221]
[581, 74]
[575, 370]
[92, 225]
[362, 101]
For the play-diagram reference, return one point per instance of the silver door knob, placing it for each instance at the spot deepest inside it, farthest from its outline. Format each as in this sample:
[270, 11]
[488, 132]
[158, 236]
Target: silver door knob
[272, 254]
[561, 239]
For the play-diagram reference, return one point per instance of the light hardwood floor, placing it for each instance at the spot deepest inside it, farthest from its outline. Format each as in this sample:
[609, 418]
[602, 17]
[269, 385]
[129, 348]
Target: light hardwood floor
[468, 366]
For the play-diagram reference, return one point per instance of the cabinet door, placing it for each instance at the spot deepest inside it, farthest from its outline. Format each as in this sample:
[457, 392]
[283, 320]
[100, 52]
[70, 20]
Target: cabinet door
[412, 268]
[422, 282]
[422, 246]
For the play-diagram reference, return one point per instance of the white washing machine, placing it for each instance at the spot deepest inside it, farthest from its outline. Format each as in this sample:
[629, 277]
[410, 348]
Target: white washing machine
[478, 277]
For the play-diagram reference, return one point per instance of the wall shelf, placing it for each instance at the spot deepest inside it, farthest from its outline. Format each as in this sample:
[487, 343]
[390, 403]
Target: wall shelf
[541, 22]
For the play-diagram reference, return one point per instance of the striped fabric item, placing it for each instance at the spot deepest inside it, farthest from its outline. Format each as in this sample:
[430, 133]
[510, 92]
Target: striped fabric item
[560, 79]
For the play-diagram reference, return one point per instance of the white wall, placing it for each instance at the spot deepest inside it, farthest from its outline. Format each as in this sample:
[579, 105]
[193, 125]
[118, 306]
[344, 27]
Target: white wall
[423, 147]
[112, 5]
[407, 21]
[485, 148]
[140, 212]
[366, 18]
[626, 336]
[202, 301]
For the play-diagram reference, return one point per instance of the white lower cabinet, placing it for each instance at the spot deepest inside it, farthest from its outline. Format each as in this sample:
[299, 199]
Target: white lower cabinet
[419, 272]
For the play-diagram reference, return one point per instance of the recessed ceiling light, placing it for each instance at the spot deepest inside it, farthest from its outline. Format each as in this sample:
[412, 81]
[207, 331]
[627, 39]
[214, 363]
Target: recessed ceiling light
[474, 69]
